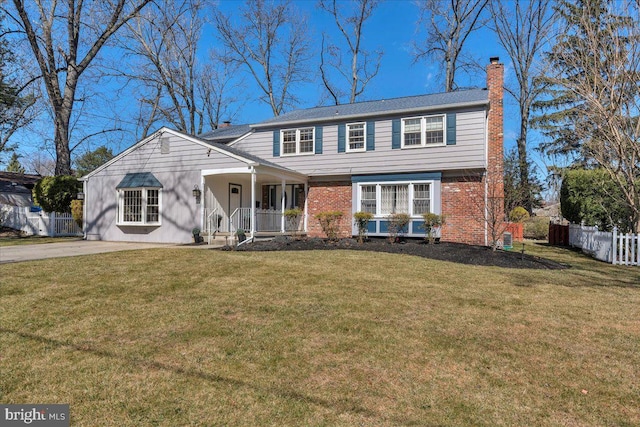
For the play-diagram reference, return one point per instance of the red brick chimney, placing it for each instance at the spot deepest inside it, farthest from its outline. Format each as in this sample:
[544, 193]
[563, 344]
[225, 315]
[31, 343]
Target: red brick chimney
[495, 157]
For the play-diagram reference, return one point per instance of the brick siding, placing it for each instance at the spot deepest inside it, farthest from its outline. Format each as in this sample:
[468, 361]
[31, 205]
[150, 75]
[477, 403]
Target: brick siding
[329, 196]
[462, 206]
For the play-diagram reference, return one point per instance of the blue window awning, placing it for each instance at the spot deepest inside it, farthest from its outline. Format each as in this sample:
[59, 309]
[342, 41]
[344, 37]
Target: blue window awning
[138, 180]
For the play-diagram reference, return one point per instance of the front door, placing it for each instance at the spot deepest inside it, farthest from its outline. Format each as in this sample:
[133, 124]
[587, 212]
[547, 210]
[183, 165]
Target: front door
[235, 202]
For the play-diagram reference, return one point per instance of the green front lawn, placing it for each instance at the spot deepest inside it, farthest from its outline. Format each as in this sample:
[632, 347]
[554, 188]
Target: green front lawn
[195, 337]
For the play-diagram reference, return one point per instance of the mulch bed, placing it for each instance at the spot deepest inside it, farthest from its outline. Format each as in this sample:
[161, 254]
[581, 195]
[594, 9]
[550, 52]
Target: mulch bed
[445, 251]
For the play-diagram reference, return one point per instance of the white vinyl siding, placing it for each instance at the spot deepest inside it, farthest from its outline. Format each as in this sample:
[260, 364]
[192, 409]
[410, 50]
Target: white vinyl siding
[424, 131]
[139, 206]
[469, 153]
[356, 137]
[386, 198]
[297, 141]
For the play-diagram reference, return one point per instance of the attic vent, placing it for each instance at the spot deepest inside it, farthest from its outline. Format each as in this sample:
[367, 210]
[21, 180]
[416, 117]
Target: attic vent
[165, 146]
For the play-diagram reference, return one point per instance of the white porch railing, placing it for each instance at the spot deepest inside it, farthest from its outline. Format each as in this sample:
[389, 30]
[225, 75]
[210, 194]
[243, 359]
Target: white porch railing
[267, 220]
[608, 246]
[39, 223]
[241, 220]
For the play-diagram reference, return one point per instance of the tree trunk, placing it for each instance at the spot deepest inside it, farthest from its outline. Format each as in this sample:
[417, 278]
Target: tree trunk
[63, 153]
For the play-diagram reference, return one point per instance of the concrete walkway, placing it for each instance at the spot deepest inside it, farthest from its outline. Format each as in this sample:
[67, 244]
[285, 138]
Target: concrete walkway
[70, 248]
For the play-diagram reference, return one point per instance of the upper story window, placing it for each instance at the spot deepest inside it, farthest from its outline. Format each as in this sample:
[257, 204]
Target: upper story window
[356, 137]
[297, 141]
[423, 131]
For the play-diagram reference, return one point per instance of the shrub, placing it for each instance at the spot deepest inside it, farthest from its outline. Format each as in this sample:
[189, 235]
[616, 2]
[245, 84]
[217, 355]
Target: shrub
[76, 211]
[518, 214]
[361, 220]
[397, 226]
[55, 193]
[431, 221]
[329, 223]
[292, 216]
[537, 227]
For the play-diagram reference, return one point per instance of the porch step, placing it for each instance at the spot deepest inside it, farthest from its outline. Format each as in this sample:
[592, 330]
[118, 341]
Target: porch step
[219, 240]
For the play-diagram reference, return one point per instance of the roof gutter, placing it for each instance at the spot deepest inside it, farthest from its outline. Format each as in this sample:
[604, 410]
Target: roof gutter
[372, 114]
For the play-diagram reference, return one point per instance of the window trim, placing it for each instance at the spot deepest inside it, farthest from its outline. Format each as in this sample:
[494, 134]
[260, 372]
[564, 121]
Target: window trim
[120, 198]
[298, 153]
[423, 131]
[410, 199]
[348, 148]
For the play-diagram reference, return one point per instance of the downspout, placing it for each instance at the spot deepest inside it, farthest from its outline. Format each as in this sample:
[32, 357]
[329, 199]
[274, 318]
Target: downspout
[486, 208]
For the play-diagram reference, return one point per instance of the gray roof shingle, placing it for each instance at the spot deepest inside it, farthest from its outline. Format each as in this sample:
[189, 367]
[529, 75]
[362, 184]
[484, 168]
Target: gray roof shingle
[384, 106]
[225, 134]
[138, 180]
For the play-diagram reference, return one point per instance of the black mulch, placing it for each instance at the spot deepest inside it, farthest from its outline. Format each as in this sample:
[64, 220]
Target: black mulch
[454, 252]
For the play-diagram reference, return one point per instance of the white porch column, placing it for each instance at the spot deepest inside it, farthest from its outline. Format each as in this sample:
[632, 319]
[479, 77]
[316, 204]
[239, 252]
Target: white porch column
[203, 198]
[253, 201]
[283, 198]
[306, 205]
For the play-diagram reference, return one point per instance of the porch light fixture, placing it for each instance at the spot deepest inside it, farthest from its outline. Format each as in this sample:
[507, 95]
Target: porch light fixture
[80, 196]
[196, 193]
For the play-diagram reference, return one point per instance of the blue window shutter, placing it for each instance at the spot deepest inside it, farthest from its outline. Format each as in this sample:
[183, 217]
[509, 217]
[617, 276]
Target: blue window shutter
[318, 140]
[371, 136]
[451, 129]
[276, 143]
[342, 130]
[395, 133]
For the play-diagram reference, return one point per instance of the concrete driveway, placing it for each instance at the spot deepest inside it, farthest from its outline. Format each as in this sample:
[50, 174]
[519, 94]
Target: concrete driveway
[71, 248]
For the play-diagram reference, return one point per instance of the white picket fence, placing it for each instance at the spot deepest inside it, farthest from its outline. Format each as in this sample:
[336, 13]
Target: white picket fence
[608, 246]
[38, 223]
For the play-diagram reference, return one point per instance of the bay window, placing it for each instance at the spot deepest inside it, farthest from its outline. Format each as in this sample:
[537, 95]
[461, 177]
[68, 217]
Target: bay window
[383, 199]
[139, 206]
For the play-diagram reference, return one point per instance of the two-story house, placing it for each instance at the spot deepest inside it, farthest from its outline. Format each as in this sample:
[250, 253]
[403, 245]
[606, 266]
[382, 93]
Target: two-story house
[439, 153]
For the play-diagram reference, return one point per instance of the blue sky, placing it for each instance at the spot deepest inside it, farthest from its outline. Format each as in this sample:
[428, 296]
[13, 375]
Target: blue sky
[393, 28]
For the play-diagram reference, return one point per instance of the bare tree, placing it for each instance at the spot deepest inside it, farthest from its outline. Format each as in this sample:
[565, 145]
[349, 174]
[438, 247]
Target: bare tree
[523, 32]
[176, 87]
[449, 24]
[65, 38]
[272, 44]
[219, 90]
[363, 66]
[609, 85]
[17, 95]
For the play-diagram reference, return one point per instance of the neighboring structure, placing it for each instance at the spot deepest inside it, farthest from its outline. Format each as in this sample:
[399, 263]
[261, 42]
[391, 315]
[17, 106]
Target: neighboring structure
[439, 153]
[16, 188]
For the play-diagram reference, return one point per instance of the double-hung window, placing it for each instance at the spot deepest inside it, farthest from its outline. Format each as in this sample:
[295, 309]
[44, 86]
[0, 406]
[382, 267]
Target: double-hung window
[356, 137]
[423, 131]
[386, 198]
[139, 200]
[297, 141]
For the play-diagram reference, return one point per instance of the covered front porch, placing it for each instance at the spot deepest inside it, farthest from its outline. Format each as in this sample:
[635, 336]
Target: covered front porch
[253, 200]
